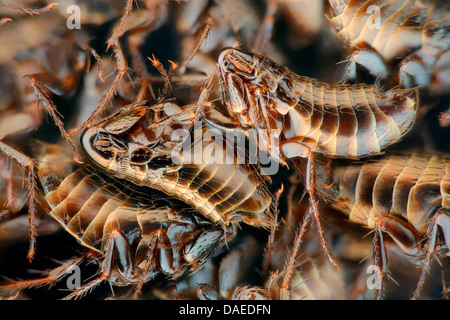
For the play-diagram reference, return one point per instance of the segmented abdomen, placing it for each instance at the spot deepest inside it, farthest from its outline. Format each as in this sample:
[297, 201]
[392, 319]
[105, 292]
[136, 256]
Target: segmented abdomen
[224, 190]
[413, 186]
[413, 36]
[91, 207]
[392, 28]
[348, 121]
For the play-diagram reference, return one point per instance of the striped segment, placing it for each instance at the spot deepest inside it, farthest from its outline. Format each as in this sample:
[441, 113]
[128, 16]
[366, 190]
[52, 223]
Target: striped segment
[219, 184]
[348, 121]
[339, 121]
[404, 25]
[224, 190]
[86, 206]
[92, 206]
[414, 186]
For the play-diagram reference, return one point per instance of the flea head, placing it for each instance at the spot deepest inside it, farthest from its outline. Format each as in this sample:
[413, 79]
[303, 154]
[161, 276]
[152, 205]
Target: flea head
[238, 62]
[113, 153]
[253, 85]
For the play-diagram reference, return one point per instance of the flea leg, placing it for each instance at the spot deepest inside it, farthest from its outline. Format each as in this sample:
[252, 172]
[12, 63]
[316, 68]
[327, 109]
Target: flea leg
[285, 293]
[268, 253]
[310, 186]
[160, 247]
[118, 31]
[49, 106]
[404, 235]
[167, 76]
[122, 68]
[442, 220]
[266, 29]
[368, 60]
[203, 35]
[27, 165]
[52, 277]
[31, 12]
[7, 176]
[116, 245]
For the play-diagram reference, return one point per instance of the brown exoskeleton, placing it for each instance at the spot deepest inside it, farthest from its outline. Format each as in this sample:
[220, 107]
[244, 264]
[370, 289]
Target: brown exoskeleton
[296, 116]
[306, 115]
[52, 69]
[219, 185]
[132, 234]
[403, 195]
[13, 207]
[407, 40]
